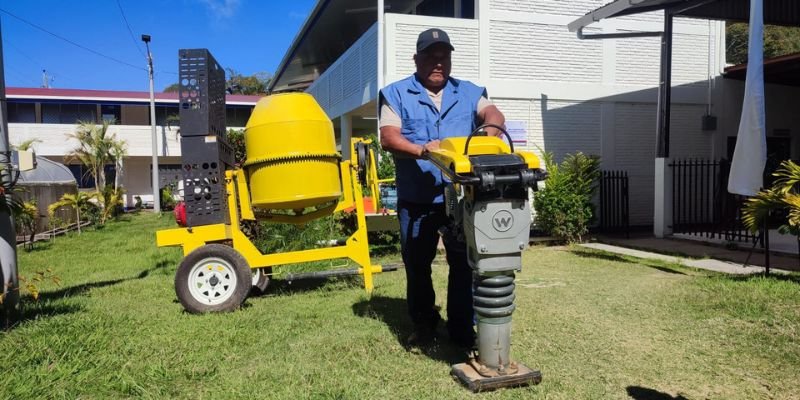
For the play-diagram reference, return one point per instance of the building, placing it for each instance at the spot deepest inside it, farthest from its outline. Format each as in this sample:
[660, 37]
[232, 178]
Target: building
[564, 94]
[49, 115]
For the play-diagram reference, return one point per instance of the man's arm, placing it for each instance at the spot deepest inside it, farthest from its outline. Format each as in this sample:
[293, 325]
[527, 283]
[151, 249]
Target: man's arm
[492, 115]
[393, 141]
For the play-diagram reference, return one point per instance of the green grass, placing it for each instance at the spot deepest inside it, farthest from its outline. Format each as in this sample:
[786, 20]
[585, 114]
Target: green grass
[597, 325]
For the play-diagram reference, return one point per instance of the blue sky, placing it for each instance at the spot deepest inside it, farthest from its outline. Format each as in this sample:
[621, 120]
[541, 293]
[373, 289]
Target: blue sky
[247, 35]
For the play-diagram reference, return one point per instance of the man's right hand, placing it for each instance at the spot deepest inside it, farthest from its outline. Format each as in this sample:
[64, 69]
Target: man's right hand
[429, 147]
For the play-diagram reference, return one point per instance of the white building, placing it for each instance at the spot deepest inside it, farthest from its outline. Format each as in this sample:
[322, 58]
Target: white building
[49, 115]
[595, 96]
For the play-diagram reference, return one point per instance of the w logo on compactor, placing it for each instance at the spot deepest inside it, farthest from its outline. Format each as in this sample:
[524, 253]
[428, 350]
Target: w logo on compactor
[502, 221]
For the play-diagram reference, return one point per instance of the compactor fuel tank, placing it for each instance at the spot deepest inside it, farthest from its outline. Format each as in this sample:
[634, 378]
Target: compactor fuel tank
[291, 154]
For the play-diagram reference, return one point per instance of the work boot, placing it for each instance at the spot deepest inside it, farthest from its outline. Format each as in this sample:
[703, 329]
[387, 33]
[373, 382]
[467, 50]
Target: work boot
[465, 339]
[423, 335]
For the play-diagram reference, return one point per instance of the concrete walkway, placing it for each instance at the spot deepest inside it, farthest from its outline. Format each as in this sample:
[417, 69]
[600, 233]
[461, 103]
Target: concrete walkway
[707, 263]
[699, 250]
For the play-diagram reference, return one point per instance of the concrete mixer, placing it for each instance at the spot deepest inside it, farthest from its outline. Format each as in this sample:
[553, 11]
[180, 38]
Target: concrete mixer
[292, 174]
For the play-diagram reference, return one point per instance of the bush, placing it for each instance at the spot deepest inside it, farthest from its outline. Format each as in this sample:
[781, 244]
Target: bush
[564, 206]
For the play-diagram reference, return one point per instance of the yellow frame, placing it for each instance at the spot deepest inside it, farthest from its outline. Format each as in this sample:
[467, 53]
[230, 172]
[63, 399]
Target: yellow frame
[355, 248]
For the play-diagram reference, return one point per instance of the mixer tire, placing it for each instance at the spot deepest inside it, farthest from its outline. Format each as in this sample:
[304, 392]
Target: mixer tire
[213, 278]
[260, 280]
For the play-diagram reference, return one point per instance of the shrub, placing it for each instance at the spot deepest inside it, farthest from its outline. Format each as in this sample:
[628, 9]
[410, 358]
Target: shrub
[564, 206]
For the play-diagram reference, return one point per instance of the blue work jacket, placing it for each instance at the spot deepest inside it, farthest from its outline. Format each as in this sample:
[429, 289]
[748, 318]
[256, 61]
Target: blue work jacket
[419, 181]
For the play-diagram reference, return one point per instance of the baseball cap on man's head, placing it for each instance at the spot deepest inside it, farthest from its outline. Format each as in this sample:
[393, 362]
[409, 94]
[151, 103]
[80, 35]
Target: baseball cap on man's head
[431, 37]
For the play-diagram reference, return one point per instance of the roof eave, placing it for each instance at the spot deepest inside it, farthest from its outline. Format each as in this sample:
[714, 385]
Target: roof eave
[296, 42]
[601, 13]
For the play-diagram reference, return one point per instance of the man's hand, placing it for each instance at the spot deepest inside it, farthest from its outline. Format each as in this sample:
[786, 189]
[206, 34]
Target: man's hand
[394, 141]
[429, 147]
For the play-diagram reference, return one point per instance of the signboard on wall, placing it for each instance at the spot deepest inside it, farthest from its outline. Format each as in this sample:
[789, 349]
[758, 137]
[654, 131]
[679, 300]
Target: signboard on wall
[518, 132]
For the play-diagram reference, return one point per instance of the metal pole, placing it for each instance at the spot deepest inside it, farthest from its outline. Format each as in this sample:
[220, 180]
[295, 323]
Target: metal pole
[665, 89]
[380, 67]
[154, 138]
[8, 236]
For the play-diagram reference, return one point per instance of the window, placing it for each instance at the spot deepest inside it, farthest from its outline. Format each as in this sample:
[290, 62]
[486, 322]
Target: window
[438, 8]
[21, 112]
[56, 113]
[167, 115]
[85, 179]
[111, 112]
[237, 116]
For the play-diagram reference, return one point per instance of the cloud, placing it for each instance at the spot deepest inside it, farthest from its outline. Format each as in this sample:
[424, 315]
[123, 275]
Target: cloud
[296, 15]
[221, 8]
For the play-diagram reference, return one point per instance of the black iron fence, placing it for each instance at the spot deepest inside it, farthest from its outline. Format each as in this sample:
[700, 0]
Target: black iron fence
[614, 202]
[701, 204]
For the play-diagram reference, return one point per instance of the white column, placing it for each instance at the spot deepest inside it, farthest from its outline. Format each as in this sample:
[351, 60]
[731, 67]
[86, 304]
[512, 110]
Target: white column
[662, 204]
[346, 128]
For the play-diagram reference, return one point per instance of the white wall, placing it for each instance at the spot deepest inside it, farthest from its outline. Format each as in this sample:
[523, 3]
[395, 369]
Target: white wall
[597, 96]
[55, 141]
[780, 105]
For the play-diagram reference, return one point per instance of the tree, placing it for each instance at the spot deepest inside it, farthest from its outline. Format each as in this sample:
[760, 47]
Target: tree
[26, 217]
[119, 149]
[94, 150]
[255, 84]
[77, 201]
[778, 41]
[784, 194]
[238, 83]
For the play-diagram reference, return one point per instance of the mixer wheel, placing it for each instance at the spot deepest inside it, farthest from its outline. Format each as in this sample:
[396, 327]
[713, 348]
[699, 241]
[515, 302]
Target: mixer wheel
[363, 160]
[260, 280]
[213, 278]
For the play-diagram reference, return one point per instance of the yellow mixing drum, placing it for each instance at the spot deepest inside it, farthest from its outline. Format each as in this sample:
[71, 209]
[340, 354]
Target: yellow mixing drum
[291, 154]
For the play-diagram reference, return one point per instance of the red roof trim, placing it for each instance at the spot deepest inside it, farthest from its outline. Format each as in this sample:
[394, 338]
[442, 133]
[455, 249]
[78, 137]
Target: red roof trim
[111, 94]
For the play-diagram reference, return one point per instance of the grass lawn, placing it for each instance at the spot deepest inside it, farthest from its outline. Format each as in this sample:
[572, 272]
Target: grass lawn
[597, 326]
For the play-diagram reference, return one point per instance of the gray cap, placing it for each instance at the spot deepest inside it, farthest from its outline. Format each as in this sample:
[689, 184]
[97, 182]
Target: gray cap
[431, 37]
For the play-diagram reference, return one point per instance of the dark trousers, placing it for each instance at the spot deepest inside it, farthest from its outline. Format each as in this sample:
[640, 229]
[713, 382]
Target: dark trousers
[420, 225]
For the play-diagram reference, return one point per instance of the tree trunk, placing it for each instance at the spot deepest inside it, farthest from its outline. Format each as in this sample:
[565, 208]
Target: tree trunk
[78, 212]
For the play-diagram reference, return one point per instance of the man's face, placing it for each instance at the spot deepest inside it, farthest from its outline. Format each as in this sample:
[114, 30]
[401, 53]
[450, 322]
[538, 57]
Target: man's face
[433, 65]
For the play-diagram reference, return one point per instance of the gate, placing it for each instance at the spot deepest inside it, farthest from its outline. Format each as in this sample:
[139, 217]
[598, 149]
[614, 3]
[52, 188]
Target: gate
[614, 202]
[701, 204]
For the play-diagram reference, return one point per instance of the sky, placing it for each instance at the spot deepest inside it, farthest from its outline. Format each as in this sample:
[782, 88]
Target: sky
[247, 35]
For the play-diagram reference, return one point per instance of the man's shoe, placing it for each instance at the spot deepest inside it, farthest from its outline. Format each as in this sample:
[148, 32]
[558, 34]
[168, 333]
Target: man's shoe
[422, 336]
[465, 340]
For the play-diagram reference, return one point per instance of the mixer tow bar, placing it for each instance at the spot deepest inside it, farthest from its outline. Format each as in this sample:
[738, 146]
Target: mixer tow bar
[487, 200]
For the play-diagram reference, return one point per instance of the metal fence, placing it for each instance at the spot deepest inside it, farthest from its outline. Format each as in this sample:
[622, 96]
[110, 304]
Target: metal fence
[701, 204]
[614, 202]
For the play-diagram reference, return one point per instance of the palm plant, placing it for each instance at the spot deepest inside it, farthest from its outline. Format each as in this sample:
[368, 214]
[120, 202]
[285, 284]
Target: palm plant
[26, 144]
[76, 201]
[26, 219]
[783, 195]
[94, 150]
[112, 200]
[119, 150]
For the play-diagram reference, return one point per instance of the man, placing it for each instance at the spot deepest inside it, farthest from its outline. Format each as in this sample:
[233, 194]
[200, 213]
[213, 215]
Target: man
[416, 113]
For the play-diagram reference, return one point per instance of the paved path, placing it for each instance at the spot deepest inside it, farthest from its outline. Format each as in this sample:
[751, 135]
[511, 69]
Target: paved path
[707, 264]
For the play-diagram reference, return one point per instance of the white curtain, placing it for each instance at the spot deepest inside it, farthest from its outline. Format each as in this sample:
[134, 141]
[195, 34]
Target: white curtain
[750, 155]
